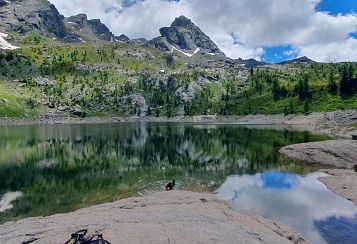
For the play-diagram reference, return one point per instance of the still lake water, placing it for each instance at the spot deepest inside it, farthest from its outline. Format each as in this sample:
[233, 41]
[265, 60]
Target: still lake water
[60, 168]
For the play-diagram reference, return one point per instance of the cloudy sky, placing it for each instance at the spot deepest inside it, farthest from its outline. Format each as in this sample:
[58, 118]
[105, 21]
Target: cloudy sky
[269, 30]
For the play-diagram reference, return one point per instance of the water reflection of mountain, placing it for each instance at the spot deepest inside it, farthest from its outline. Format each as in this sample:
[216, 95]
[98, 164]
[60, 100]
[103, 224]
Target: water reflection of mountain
[59, 168]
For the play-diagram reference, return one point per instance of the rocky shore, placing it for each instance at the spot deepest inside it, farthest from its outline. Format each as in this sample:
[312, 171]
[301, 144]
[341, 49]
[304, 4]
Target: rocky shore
[186, 217]
[341, 124]
[341, 181]
[341, 155]
[336, 153]
[164, 217]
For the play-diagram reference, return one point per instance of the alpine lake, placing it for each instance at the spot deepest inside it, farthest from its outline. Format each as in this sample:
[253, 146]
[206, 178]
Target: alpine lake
[61, 168]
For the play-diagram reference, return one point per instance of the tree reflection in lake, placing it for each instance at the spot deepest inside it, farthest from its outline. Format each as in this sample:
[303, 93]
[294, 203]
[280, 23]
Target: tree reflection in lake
[60, 168]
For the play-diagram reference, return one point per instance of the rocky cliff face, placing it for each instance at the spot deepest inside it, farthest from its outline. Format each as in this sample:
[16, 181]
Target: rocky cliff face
[88, 30]
[24, 16]
[186, 36]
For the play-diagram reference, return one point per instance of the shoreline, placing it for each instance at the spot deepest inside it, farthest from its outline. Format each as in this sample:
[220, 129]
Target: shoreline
[341, 124]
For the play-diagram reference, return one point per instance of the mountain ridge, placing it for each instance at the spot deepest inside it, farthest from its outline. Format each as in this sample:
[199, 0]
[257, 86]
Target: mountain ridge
[302, 59]
[183, 36]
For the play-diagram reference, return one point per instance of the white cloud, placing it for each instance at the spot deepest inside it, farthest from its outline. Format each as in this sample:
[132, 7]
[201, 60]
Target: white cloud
[340, 51]
[257, 24]
[297, 201]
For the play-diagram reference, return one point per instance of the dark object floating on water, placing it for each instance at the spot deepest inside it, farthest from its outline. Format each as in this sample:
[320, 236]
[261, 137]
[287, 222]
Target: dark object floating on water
[203, 200]
[79, 238]
[354, 137]
[170, 186]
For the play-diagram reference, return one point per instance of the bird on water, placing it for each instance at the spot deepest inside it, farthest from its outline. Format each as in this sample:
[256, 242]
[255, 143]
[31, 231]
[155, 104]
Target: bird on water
[170, 186]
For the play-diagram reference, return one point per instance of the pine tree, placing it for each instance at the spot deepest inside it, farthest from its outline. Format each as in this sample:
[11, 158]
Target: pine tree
[332, 86]
[307, 107]
[345, 82]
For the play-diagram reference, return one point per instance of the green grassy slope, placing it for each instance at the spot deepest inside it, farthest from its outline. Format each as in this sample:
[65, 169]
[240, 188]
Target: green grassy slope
[117, 79]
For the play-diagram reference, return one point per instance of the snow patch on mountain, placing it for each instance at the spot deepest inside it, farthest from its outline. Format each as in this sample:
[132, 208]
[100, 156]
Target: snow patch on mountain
[184, 53]
[4, 44]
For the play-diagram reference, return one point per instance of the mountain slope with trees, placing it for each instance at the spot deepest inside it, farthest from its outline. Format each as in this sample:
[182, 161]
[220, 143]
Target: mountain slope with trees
[88, 71]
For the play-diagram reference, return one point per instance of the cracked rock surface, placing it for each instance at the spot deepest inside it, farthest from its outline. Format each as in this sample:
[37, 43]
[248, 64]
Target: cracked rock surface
[163, 217]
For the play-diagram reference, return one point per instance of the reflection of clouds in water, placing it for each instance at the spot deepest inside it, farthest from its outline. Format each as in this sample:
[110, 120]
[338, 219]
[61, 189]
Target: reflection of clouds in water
[297, 201]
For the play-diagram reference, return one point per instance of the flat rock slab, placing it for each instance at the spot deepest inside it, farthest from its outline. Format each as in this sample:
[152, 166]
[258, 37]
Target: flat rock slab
[342, 182]
[337, 153]
[164, 217]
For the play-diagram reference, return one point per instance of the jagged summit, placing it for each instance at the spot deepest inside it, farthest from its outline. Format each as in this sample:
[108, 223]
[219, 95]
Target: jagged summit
[184, 35]
[88, 30]
[24, 16]
[80, 19]
[182, 21]
[303, 59]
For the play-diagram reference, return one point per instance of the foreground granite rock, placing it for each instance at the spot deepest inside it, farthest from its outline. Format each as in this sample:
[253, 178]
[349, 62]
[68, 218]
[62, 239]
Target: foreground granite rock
[337, 153]
[342, 182]
[164, 217]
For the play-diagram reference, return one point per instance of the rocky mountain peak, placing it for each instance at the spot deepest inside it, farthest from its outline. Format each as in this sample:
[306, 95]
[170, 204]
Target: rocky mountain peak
[182, 21]
[24, 16]
[88, 30]
[80, 19]
[184, 35]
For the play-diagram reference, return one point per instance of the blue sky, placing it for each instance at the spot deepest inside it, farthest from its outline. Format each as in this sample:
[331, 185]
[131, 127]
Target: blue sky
[334, 7]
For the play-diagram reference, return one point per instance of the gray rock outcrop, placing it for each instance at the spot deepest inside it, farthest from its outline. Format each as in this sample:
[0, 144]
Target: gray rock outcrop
[164, 217]
[249, 63]
[185, 35]
[24, 16]
[337, 153]
[122, 38]
[89, 30]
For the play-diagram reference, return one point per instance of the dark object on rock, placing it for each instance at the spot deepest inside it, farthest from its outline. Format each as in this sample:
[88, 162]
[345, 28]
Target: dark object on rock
[355, 167]
[79, 238]
[170, 186]
[354, 137]
[203, 200]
